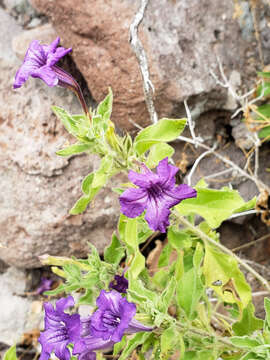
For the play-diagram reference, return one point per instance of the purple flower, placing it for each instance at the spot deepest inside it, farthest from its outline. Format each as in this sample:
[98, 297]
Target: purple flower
[119, 283]
[60, 329]
[114, 317]
[39, 62]
[45, 285]
[156, 193]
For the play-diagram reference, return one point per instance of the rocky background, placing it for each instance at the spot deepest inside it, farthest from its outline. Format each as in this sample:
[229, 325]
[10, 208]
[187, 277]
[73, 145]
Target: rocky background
[182, 40]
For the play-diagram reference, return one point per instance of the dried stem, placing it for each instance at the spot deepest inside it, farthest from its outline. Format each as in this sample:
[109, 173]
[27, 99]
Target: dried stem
[195, 165]
[244, 246]
[138, 49]
[260, 185]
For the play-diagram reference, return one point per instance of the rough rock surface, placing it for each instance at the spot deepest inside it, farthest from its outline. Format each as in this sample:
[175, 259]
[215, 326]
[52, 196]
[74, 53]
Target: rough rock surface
[20, 314]
[181, 38]
[39, 187]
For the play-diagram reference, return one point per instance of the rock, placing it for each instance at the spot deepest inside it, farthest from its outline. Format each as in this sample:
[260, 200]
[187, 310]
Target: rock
[46, 34]
[6, 22]
[244, 138]
[20, 314]
[181, 39]
[39, 186]
[23, 12]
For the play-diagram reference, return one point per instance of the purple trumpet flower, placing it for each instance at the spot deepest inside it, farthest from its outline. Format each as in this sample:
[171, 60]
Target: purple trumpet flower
[39, 62]
[60, 329]
[119, 283]
[156, 193]
[114, 317]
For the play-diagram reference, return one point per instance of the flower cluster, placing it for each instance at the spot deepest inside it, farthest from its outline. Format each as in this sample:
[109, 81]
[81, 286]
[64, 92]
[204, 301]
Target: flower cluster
[156, 193]
[100, 331]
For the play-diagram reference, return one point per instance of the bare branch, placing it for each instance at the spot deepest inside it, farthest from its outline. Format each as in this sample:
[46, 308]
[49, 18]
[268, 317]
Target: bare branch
[223, 172]
[244, 213]
[194, 167]
[138, 49]
[260, 185]
[191, 124]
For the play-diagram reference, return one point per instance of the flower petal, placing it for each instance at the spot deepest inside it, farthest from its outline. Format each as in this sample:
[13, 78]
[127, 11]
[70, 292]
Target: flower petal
[177, 194]
[157, 214]
[23, 73]
[143, 179]
[60, 52]
[133, 202]
[87, 355]
[109, 300]
[94, 343]
[127, 312]
[120, 284]
[136, 326]
[62, 352]
[35, 54]
[64, 304]
[52, 47]
[46, 74]
[166, 173]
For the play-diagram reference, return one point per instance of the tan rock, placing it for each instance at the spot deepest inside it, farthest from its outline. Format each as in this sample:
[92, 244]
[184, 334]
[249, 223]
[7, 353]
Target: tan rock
[181, 39]
[20, 43]
[38, 188]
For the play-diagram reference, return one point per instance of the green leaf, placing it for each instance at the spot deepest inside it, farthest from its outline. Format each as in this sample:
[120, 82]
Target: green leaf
[139, 293]
[247, 206]
[92, 183]
[137, 340]
[10, 354]
[66, 119]
[105, 107]
[263, 88]
[80, 205]
[199, 355]
[131, 233]
[75, 149]
[87, 298]
[214, 206]
[87, 183]
[163, 131]
[114, 252]
[264, 133]
[120, 345]
[264, 74]
[167, 296]
[223, 267]
[249, 322]
[168, 342]
[244, 342]
[179, 239]
[164, 257]
[264, 111]
[267, 311]
[137, 265]
[157, 153]
[198, 255]
[189, 292]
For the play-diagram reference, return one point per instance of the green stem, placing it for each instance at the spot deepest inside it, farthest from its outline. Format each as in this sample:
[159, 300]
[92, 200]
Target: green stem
[204, 334]
[211, 241]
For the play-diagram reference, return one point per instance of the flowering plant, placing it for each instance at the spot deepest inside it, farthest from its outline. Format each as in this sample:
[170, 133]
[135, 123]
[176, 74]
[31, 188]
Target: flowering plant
[197, 303]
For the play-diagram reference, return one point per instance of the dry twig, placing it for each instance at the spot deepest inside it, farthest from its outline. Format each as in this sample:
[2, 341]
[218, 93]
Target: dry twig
[138, 49]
